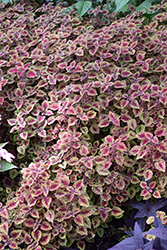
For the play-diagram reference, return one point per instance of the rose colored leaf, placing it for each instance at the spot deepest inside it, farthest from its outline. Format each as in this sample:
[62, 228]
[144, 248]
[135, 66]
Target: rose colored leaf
[31, 120]
[134, 104]
[156, 194]
[81, 245]
[18, 92]
[140, 56]
[4, 213]
[83, 150]
[11, 204]
[46, 201]
[83, 201]
[12, 70]
[94, 129]
[141, 153]
[54, 106]
[144, 142]
[160, 165]
[78, 68]
[117, 211]
[72, 121]
[104, 151]
[49, 215]
[121, 147]
[65, 181]
[15, 234]
[13, 245]
[134, 180]
[91, 114]
[144, 192]
[92, 92]
[82, 230]
[132, 124]
[153, 184]
[24, 135]
[141, 135]
[42, 133]
[162, 147]
[145, 67]
[1, 100]
[125, 73]
[148, 174]
[34, 213]
[143, 184]
[31, 74]
[97, 190]
[45, 238]
[160, 132]
[4, 228]
[87, 211]
[79, 220]
[100, 159]
[109, 139]
[54, 185]
[119, 84]
[78, 184]
[29, 222]
[71, 111]
[36, 235]
[134, 150]
[73, 161]
[103, 123]
[45, 226]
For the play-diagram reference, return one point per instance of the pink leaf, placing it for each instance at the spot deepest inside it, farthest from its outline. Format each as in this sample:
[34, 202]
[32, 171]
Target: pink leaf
[83, 150]
[121, 147]
[134, 150]
[109, 139]
[161, 165]
[31, 74]
[103, 123]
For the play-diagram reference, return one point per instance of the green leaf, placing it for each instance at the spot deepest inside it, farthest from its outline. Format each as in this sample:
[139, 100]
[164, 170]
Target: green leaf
[119, 4]
[100, 231]
[145, 5]
[83, 7]
[3, 144]
[68, 9]
[124, 8]
[4, 166]
[13, 173]
[140, 128]
[104, 225]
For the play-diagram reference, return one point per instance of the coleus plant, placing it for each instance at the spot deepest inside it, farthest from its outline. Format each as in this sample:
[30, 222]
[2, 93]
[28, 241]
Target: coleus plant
[87, 105]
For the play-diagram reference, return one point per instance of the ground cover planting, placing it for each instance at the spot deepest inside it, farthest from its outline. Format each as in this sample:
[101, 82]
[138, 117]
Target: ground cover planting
[83, 103]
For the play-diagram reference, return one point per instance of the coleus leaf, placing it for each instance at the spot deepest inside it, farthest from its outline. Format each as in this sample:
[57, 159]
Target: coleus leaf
[45, 226]
[49, 215]
[116, 211]
[83, 201]
[121, 147]
[4, 228]
[45, 239]
[81, 245]
[79, 220]
[160, 165]
[36, 235]
[31, 74]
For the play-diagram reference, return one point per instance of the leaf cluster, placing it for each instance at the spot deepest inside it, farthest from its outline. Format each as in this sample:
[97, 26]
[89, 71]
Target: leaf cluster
[87, 105]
